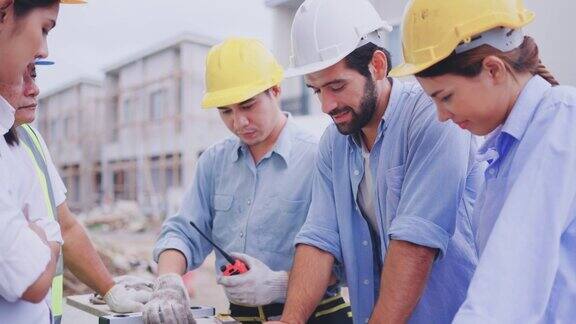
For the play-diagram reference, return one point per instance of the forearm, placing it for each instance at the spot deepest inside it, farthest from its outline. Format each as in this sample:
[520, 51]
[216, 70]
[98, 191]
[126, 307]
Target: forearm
[309, 278]
[38, 290]
[80, 256]
[172, 261]
[404, 277]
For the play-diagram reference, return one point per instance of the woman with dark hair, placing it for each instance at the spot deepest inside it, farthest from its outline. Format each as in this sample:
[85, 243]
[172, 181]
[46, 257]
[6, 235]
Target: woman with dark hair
[485, 75]
[26, 30]
[28, 256]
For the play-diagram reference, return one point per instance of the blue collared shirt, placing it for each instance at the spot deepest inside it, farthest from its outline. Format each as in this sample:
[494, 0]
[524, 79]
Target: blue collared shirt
[245, 207]
[525, 217]
[426, 181]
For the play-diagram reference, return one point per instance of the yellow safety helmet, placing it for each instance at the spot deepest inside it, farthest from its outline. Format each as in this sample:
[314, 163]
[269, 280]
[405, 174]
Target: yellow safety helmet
[237, 70]
[433, 29]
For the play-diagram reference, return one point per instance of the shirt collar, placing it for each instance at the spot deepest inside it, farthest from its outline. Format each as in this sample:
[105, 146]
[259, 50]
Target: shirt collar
[517, 122]
[391, 108]
[6, 116]
[282, 147]
[525, 107]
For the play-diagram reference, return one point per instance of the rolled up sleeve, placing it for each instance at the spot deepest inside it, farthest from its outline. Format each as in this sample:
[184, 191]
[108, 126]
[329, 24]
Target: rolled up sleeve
[321, 227]
[434, 179]
[177, 233]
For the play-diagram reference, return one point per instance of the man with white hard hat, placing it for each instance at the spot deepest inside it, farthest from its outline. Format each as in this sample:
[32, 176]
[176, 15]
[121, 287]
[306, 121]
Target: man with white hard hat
[393, 186]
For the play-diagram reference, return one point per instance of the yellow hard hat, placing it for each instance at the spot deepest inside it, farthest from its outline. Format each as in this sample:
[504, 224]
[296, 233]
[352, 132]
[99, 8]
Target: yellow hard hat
[237, 70]
[432, 29]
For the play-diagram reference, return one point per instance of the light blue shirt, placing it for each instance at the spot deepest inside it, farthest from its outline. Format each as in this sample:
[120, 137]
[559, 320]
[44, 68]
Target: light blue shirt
[525, 216]
[245, 207]
[426, 181]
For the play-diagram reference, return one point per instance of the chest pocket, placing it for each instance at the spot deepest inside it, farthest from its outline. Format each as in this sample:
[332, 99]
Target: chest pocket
[278, 223]
[223, 223]
[394, 179]
[223, 203]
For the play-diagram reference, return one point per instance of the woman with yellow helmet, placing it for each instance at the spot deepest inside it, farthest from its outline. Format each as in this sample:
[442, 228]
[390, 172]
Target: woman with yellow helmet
[485, 75]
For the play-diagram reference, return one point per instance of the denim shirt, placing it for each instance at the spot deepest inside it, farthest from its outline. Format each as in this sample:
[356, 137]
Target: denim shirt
[426, 182]
[245, 207]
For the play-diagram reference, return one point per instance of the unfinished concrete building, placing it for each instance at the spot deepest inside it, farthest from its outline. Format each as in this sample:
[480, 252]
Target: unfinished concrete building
[71, 121]
[156, 129]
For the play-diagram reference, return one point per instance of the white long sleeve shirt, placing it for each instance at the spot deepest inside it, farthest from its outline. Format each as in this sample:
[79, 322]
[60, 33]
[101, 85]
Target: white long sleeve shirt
[23, 255]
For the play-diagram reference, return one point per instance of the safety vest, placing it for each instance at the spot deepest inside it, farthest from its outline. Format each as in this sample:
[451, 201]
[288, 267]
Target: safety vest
[32, 145]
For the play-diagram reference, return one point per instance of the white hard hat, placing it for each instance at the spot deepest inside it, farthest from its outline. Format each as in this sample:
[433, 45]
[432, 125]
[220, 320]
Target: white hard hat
[325, 31]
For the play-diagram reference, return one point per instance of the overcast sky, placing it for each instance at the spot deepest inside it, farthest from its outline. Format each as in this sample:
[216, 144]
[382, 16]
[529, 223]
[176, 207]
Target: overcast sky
[96, 35]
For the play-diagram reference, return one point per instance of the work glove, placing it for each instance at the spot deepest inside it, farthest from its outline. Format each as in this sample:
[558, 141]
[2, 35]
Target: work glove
[170, 303]
[128, 295]
[259, 286]
[135, 282]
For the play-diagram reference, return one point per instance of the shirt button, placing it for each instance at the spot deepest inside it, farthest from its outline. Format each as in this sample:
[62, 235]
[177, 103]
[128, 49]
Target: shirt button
[356, 172]
[365, 243]
[241, 234]
[492, 171]
[366, 281]
[367, 320]
[249, 201]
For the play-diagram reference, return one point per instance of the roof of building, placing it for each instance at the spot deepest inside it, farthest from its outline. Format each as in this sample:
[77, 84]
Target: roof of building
[162, 46]
[68, 85]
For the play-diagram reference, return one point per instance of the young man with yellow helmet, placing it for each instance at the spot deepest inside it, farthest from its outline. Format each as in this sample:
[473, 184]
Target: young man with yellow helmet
[251, 195]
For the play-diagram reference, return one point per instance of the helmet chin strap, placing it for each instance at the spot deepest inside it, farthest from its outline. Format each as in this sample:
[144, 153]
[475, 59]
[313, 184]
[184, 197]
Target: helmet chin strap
[504, 39]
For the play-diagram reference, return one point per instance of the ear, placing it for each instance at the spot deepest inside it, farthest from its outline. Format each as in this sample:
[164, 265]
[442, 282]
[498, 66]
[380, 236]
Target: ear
[495, 68]
[4, 8]
[379, 65]
[276, 91]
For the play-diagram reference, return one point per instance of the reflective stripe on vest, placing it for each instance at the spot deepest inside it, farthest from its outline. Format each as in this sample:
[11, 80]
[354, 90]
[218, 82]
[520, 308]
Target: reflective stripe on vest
[32, 145]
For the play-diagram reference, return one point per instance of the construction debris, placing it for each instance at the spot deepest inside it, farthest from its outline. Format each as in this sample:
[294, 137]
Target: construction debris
[123, 237]
[123, 215]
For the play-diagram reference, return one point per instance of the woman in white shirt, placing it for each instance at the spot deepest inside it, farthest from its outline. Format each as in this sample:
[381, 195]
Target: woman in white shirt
[27, 258]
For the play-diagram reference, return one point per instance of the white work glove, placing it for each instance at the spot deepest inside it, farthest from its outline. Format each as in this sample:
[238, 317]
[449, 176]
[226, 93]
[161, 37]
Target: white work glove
[135, 282]
[259, 286]
[170, 303]
[128, 295]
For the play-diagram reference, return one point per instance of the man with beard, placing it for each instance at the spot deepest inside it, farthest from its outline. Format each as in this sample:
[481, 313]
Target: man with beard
[393, 186]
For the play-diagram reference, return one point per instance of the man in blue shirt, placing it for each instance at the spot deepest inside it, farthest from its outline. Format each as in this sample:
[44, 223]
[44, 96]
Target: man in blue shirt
[251, 194]
[393, 186]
